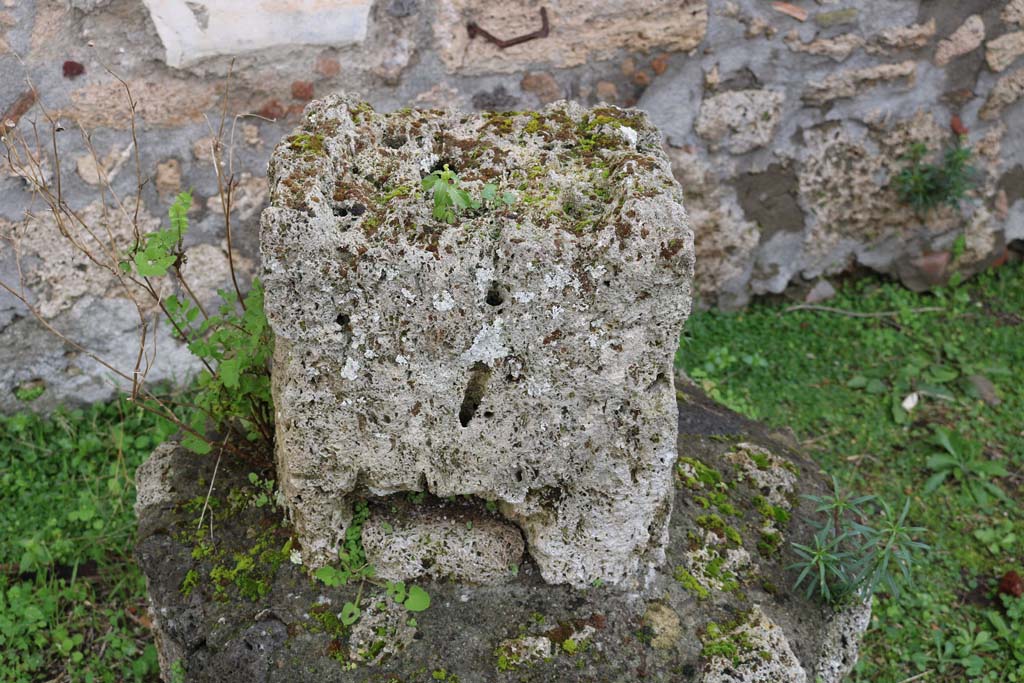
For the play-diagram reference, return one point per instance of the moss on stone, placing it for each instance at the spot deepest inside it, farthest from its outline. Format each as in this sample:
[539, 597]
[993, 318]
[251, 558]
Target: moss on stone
[696, 475]
[771, 512]
[720, 501]
[190, 582]
[250, 569]
[726, 639]
[717, 525]
[769, 543]
[690, 583]
[306, 144]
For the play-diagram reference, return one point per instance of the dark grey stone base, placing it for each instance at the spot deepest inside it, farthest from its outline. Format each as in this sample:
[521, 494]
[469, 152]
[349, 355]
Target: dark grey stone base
[284, 631]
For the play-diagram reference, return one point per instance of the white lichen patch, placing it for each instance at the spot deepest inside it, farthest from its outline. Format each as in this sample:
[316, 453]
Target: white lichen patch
[771, 475]
[524, 650]
[383, 630]
[716, 567]
[665, 625]
[754, 651]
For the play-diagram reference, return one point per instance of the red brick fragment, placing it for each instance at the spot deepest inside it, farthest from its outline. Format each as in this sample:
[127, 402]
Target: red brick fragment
[73, 69]
[20, 106]
[272, 110]
[327, 66]
[1011, 584]
[659, 64]
[302, 90]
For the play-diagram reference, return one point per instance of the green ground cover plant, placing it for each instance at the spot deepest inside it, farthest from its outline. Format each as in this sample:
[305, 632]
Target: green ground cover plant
[921, 401]
[72, 602]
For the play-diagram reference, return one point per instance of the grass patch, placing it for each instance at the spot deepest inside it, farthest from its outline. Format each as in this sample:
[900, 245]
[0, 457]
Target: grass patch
[72, 602]
[871, 398]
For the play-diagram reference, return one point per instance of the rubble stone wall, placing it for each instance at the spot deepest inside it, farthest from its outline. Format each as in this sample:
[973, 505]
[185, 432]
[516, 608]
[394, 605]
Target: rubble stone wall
[785, 122]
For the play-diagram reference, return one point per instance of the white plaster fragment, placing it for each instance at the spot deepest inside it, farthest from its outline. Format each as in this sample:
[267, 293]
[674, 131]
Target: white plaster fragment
[193, 30]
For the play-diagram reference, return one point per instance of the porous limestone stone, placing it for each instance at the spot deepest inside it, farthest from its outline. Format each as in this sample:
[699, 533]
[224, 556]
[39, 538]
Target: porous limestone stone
[904, 37]
[766, 472]
[740, 120]
[965, 39]
[1013, 13]
[406, 541]
[841, 642]
[521, 354]
[838, 48]
[383, 630]
[846, 84]
[1004, 50]
[1006, 91]
[762, 654]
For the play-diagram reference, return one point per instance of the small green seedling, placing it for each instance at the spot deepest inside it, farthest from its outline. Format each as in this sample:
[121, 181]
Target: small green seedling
[925, 186]
[450, 199]
[962, 462]
[851, 555]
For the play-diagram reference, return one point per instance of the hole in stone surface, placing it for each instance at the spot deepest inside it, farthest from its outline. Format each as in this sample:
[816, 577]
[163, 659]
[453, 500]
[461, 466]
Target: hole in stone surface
[353, 209]
[660, 382]
[441, 163]
[475, 388]
[494, 295]
[342, 319]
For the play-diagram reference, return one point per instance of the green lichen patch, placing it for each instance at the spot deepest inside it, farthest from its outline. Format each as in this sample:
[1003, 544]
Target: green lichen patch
[245, 566]
[727, 640]
[717, 526]
[775, 514]
[690, 582]
[695, 475]
[306, 144]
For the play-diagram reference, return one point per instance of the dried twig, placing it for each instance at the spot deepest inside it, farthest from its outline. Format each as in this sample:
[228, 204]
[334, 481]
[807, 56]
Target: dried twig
[27, 160]
[858, 314]
[209, 492]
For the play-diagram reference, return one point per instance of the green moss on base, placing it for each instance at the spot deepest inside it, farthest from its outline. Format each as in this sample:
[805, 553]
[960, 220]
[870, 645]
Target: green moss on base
[771, 512]
[717, 526]
[701, 475]
[306, 144]
[726, 640]
[720, 501]
[769, 543]
[690, 583]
